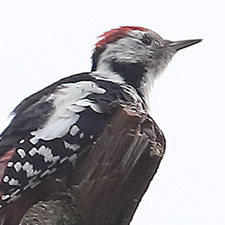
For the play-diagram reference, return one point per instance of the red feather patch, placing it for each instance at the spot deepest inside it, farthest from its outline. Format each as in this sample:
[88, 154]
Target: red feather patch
[115, 34]
[4, 160]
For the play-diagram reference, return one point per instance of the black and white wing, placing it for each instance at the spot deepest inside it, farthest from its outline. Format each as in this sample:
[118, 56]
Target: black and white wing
[50, 129]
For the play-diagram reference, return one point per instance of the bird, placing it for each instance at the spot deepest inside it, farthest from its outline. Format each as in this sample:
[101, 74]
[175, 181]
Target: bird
[50, 128]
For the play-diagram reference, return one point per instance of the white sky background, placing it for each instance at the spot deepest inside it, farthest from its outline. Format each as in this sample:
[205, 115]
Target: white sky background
[43, 41]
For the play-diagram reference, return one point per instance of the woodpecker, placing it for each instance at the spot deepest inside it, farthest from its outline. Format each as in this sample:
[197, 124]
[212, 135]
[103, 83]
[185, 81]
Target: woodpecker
[52, 127]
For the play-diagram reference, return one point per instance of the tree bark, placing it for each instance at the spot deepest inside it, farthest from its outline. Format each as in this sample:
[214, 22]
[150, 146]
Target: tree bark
[109, 179]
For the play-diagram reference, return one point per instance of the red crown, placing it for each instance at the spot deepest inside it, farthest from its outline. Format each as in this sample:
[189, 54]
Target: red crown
[115, 34]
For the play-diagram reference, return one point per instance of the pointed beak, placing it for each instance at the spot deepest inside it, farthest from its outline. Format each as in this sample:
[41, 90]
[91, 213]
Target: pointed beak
[177, 45]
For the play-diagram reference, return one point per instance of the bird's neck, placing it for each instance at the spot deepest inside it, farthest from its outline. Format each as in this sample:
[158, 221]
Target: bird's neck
[132, 75]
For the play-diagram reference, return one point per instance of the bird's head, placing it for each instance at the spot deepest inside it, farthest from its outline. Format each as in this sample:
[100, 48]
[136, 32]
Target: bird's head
[134, 56]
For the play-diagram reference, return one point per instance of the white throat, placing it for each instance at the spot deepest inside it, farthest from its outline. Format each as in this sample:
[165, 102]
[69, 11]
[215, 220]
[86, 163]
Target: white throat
[146, 86]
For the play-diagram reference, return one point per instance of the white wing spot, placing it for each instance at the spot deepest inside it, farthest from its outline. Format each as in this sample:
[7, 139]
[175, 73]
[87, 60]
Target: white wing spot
[29, 169]
[47, 153]
[6, 179]
[10, 164]
[91, 136]
[81, 135]
[27, 166]
[73, 147]
[32, 152]
[18, 166]
[74, 130]
[33, 140]
[5, 197]
[21, 152]
[14, 182]
[21, 141]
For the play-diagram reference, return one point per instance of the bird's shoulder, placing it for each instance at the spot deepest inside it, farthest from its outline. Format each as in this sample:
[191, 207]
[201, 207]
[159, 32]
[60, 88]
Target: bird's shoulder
[51, 111]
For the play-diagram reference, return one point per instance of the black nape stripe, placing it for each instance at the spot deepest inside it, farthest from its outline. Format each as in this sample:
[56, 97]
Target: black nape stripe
[132, 72]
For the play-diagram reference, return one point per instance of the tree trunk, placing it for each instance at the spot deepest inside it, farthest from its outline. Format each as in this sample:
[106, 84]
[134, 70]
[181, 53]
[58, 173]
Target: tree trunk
[109, 179]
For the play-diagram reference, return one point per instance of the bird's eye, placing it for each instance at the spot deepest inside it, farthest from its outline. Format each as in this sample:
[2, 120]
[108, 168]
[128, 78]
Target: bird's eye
[146, 40]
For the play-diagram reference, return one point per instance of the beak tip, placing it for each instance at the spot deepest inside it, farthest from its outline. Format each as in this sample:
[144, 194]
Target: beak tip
[178, 45]
[197, 40]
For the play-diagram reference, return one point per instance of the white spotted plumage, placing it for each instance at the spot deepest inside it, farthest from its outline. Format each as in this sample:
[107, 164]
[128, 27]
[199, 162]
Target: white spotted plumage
[74, 130]
[73, 147]
[6, 178]
[14, 182]
[67, 101]
[18, 166]
[47, 154]
[21, 152]
[32, 152]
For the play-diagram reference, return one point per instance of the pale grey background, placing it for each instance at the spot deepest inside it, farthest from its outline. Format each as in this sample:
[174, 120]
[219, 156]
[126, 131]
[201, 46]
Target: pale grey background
[45, 40]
